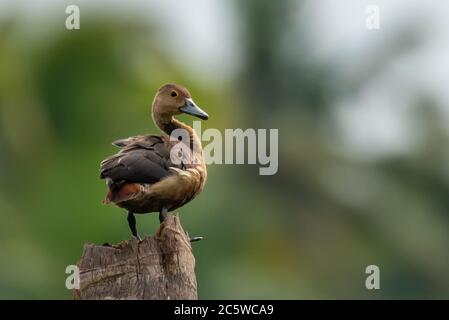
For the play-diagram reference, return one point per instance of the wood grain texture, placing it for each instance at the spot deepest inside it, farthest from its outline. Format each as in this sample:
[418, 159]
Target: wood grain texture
[159, 267]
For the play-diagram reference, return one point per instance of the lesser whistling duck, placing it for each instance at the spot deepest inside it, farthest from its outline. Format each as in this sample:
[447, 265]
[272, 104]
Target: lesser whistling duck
[143, 177]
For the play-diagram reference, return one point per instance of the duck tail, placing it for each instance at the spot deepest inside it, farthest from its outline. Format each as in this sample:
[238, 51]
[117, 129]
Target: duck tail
[108, 198]
[125, 192]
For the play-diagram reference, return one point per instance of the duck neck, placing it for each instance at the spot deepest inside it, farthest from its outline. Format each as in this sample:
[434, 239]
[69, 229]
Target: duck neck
[168, 124]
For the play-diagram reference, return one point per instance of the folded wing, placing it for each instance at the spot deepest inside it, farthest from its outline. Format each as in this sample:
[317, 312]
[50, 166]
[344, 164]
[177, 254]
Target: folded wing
[142, 159]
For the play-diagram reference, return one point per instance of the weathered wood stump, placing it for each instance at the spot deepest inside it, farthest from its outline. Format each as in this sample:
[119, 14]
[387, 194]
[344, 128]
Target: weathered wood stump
[158, 267]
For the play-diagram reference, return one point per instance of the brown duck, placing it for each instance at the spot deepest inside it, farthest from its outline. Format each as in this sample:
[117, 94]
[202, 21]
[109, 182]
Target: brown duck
[154, 173]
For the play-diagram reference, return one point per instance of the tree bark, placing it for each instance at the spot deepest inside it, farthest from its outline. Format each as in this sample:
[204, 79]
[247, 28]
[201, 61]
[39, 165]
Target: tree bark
[158, 267]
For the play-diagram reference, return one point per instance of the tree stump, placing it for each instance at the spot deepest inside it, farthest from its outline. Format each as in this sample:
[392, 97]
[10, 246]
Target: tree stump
[159, 267]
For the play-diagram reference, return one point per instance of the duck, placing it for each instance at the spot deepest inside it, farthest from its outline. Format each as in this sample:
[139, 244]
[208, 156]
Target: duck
[158, 173]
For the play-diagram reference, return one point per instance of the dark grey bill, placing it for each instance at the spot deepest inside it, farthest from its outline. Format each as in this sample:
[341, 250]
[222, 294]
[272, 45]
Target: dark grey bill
[191, 108]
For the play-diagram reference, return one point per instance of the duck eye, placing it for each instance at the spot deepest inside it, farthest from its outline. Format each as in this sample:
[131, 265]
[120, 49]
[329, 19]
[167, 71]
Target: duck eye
[173, 94]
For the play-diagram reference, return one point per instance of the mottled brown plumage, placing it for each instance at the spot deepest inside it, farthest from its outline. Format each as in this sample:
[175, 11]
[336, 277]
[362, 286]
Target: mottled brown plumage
[158, 173]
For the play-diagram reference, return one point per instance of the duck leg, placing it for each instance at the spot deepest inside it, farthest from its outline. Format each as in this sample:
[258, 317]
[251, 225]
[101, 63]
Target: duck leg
[132, 225]
[163, 214]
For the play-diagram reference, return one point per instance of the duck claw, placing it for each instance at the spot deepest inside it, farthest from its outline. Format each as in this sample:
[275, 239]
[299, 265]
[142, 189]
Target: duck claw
[196, 239]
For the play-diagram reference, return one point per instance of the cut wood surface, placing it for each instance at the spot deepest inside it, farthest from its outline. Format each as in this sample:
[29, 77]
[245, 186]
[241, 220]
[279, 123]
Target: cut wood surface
[158, 267]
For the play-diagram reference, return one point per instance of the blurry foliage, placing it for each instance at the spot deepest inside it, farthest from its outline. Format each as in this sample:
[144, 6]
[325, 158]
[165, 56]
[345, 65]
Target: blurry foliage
[307, 232]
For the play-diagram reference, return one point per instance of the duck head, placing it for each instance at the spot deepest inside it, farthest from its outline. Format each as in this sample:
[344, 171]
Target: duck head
[173, 99]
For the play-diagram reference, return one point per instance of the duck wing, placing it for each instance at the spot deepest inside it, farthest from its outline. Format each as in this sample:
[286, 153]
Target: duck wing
[142, 159]
[121, 143]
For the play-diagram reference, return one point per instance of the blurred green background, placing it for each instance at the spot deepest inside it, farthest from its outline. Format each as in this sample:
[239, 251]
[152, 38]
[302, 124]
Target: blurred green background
[363, 126]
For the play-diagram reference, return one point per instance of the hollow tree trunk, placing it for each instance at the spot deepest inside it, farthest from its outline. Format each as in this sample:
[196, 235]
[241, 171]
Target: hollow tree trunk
[158, 267]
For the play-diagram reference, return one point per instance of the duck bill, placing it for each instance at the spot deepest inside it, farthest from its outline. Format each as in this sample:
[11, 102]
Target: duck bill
[191, 108]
